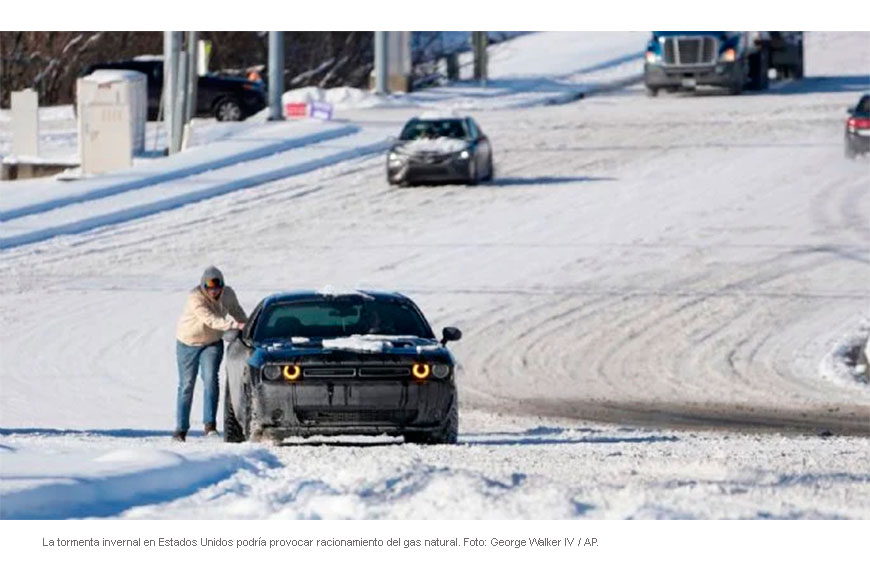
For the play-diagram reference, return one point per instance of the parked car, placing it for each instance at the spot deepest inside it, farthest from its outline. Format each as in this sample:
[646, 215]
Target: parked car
[361, 363]
[450, 149]
[225, 98]
[858, 128]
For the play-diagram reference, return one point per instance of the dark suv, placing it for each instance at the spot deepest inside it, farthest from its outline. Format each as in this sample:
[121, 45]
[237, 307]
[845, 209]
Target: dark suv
[858, 128]
[225, 98]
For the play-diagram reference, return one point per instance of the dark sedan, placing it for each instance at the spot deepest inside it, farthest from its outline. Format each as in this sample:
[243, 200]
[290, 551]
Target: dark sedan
[858, 128]
[357, 363]
[225, 98]
[452, 149]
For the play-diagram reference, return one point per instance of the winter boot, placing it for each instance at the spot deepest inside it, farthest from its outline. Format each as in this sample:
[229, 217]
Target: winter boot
[210, 430]
[179, 435]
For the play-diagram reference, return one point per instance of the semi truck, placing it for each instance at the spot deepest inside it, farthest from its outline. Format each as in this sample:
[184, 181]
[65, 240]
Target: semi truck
[733, 60]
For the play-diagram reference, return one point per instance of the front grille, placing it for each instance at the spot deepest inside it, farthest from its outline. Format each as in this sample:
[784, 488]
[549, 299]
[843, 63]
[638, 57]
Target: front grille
[397, 416]
[329, 372]
[696, 50]
[384, 372]
[431, 158]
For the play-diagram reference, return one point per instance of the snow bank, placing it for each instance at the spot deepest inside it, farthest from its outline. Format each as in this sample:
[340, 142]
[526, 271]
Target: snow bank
[844, 364]
[343, 98]
[39, 481]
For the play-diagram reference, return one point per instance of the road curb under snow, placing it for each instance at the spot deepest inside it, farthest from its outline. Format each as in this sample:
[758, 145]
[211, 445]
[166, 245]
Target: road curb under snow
[275, 170]
[210, 163]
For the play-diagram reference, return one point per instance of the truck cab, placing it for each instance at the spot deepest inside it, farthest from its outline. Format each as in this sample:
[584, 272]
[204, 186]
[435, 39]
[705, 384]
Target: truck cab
[733, 60]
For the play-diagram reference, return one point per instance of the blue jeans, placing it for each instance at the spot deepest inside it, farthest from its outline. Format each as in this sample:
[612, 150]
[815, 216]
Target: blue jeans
[208, 360]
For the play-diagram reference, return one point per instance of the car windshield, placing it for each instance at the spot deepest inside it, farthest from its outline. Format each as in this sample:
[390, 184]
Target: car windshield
[331, 317]
[434, 128]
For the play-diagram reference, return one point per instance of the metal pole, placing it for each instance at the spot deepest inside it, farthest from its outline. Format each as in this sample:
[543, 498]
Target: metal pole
[381, 62]
[181, 101]
[192, 76]
[171, 49]
[479, 41]
[276, 75]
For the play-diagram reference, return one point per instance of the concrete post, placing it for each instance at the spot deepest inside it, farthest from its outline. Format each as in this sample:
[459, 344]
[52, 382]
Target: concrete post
[276, 75]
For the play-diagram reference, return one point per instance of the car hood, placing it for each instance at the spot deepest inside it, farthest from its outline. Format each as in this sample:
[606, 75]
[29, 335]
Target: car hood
[440, 145]
[357, 345]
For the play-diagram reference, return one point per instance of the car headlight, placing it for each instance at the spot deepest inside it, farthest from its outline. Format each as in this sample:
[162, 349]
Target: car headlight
[464, 155]
[292, 372]
[653, 57]
[729, 55]
[394, 156]
[421, 371]
[271, 372]
[441, 371]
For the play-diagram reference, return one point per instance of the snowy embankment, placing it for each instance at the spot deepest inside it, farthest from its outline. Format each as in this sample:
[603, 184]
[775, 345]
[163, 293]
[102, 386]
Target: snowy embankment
[93, 207]
[57, 474]
[526, 71]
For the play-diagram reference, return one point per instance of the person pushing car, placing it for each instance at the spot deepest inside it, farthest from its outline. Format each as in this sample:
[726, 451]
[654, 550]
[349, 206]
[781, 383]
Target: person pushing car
[211, 309]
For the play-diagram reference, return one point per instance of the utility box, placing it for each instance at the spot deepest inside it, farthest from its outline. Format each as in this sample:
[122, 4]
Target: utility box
[25, 123]
[105, 100]
[104, 138]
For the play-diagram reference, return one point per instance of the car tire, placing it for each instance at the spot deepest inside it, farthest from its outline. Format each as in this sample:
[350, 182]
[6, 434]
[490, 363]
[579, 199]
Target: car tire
[473, 173]
[758, 71]
[228, 109]
[490, 171]
[850, 153]
[448, 434]
[233, 432]
[798, 70]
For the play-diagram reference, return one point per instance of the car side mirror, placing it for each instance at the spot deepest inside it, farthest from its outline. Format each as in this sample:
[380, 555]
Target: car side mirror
[450, 334]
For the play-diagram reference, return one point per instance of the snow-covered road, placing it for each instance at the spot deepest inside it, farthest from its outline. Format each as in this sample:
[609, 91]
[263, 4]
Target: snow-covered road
[680, 262]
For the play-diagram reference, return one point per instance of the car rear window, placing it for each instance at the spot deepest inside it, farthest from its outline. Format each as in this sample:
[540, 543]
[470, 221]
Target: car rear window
[332, 317]
[434, 128]
[864, 105]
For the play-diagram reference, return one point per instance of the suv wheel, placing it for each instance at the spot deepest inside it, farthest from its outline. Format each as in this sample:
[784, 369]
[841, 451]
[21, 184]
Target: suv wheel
[228, 110]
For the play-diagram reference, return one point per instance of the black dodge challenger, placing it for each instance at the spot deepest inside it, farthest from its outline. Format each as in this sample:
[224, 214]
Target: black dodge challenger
[325, 363]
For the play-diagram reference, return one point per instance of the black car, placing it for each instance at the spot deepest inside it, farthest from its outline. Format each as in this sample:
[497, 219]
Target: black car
[452, 149]
[858, 128]
[360, 363]
[225, 98]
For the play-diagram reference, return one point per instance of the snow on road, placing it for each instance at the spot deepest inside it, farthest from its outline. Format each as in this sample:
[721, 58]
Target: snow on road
[681, 262]
[503, 468]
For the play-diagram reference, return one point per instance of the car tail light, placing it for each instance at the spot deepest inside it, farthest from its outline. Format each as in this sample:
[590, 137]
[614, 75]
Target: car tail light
[859, 123]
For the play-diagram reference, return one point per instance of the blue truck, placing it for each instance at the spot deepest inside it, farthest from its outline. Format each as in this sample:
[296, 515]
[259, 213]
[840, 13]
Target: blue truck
[733, 60]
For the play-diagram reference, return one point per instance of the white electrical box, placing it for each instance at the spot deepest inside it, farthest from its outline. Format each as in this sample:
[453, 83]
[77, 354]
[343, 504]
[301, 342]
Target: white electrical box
[107, 91]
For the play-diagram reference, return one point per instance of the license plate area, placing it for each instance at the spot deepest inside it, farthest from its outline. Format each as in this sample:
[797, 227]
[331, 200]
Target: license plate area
[689, 82]
[357, 395]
